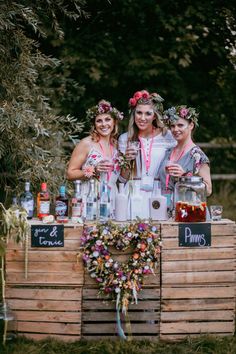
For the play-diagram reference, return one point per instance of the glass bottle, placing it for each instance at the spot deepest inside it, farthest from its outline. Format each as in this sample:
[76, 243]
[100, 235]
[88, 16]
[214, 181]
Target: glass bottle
[27, 201]
[121, 204]
[136, 202]
[61, 206]
[190, 199]
[76, 203]
[105, 203]
[91, 203]
[158, 204]
[43, 201]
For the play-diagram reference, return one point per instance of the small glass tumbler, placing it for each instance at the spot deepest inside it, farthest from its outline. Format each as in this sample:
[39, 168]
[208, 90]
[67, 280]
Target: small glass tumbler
[216, 212]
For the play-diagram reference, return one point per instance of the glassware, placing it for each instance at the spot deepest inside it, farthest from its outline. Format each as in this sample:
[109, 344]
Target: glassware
[27, 201]
[216, 212]
[8, 323]
[190, 199]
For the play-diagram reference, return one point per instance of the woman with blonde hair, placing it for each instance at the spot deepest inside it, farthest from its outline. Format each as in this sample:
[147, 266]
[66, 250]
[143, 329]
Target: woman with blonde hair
[145, 142]
[96, 154]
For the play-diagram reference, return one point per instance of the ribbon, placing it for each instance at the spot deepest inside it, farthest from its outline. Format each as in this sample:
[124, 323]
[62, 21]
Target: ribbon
[147, 158]
[118, 321]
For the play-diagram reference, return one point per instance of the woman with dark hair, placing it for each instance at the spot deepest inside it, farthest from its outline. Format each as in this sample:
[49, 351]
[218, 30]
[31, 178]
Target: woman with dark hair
[147, 131]
[186, 158]
[96, 153]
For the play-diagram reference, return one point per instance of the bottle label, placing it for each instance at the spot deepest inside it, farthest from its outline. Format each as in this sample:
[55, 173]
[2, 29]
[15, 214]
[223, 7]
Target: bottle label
[44, 207]
[28, 206]
[104, 210]
[76, 210]
[91, 211]
[61, 208]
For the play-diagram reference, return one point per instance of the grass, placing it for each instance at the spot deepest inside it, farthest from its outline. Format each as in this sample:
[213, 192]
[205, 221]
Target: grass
[204, 344]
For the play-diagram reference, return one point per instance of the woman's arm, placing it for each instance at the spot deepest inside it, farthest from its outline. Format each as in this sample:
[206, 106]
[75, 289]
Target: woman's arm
[205, 173]
[78, 158]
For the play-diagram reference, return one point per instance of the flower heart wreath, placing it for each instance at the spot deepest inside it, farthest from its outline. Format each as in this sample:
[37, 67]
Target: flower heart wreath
[121, 281]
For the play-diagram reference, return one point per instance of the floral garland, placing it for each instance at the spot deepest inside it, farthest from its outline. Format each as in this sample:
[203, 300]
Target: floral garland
[172, 114]
[120, 281]
[144, 97]
[102, 107]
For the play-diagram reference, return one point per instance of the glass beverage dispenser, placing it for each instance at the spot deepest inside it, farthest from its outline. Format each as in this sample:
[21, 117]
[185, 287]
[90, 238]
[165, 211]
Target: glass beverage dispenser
[190, 199]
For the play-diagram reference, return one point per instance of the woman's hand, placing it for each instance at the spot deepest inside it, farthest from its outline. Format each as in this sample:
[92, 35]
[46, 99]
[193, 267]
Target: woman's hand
[175, 170]
[104, 166]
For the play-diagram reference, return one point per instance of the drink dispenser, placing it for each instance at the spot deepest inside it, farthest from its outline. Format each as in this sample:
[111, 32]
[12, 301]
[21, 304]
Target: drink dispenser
[190, 199]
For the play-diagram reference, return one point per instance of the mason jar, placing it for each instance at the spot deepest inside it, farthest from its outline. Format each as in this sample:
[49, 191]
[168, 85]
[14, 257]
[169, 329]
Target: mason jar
[190, 199]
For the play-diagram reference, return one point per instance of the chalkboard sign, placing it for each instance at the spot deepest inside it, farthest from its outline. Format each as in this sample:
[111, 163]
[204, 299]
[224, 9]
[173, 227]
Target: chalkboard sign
[195, 235]
[47, 235]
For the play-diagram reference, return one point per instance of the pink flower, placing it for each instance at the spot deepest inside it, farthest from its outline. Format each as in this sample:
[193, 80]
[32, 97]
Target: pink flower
[88, 171]
[183, 112]
[145, 94]
[138, 95]
[132, 102]
[93, 156]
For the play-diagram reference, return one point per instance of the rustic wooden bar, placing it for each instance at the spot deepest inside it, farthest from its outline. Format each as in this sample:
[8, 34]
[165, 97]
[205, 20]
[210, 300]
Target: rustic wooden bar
[193, 293]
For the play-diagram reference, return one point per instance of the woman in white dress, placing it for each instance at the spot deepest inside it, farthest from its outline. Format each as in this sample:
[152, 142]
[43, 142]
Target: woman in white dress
[148, 132]
[95, 155]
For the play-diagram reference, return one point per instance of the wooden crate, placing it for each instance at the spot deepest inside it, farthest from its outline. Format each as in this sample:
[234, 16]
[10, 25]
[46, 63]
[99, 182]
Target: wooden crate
[99, 314]
[198, 284]
[48, 302]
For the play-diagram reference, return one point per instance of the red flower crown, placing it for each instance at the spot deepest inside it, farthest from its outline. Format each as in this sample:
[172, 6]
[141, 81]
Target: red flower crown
[144, 97]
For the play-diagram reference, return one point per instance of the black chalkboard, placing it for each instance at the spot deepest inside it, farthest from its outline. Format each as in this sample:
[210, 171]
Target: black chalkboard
[195, 235]
[47, 235]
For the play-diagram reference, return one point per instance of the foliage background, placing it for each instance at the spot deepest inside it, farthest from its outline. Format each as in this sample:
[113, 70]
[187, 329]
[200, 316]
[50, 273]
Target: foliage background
[60, 57]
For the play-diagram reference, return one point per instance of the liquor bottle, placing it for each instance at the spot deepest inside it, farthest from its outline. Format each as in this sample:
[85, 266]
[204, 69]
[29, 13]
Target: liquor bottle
[76, 203]
[43, 201]
[105, 203]
[27, 201]
[15, 206]
[121, 204]
[158, 204]
[136, 203]
[91, 203]
[61, 207]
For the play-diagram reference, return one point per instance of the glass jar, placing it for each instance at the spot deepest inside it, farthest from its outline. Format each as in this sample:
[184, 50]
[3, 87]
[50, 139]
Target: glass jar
[190, 199]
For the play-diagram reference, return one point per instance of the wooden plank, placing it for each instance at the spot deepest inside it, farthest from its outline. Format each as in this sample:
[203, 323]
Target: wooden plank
[64, 278]
[144, 293]
[198, 327]
[135, 316]
[110, 337]
[198, 265]
[198, 292]
[68, 245]
[194, 254]
[48, 316]
[48, 267]
[108, 305]
[43, 336]
[110, 328]
[197, 304]
[44, 305]
[43, 256]
[44, 294]
[222, 277]
[197, 316]
[216, 241]
[50, 327]
[151, 280]
[222, 228]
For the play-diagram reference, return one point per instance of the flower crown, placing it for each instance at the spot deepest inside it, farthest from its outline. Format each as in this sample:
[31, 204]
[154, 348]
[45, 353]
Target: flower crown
[144, 97]
[172, 114]
[101, 108]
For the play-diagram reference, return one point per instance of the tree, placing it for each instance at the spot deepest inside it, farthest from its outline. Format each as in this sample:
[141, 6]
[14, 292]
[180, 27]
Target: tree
[32, 130]
[185, 50]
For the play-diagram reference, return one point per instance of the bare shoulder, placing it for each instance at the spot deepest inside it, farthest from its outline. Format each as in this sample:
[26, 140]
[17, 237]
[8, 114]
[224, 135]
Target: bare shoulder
[84, 143]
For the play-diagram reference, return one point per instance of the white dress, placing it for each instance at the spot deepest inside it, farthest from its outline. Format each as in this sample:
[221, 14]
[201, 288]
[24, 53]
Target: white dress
[159, 146]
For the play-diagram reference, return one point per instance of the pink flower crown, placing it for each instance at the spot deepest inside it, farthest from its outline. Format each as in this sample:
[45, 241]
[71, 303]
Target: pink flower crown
[144, 97]
[102, 107]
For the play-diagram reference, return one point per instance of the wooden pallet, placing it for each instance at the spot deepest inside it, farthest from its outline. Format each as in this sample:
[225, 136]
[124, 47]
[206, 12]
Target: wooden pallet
[198, 284]
[48, 302]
